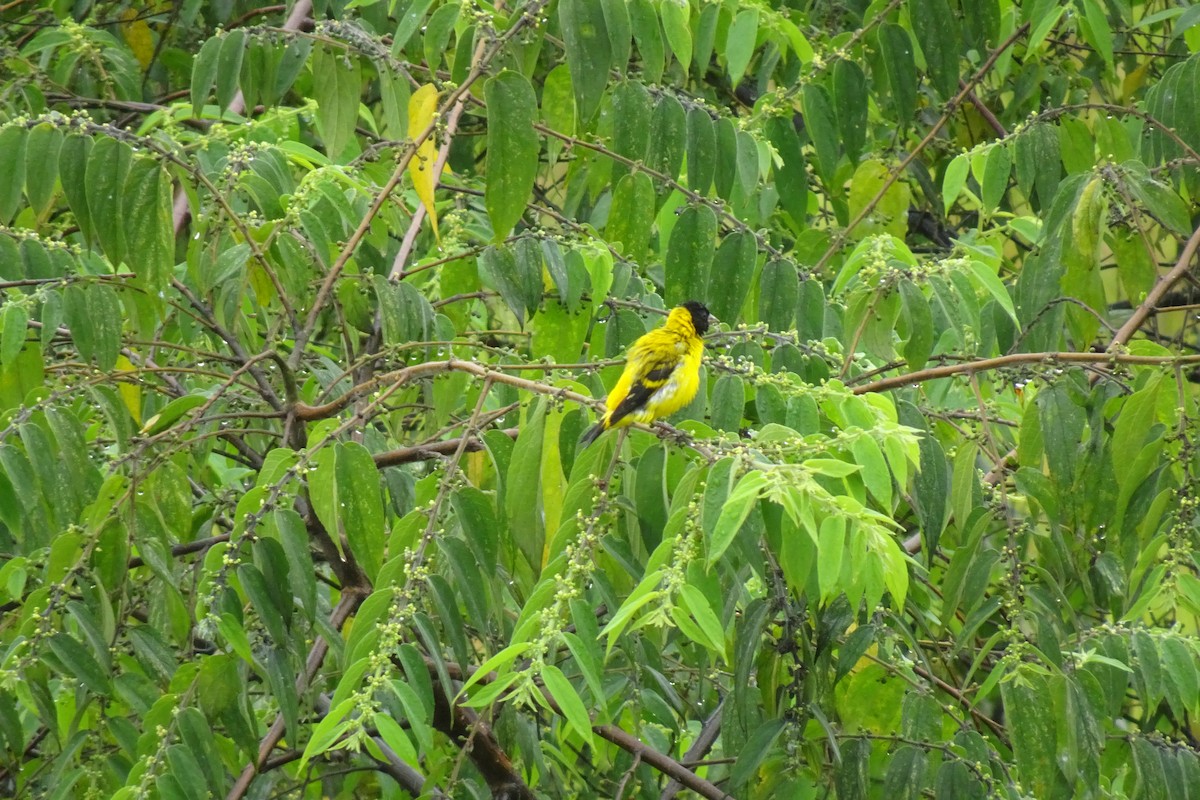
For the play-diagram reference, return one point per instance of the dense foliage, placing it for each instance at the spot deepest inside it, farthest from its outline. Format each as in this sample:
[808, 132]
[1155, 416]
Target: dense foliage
[305, 310]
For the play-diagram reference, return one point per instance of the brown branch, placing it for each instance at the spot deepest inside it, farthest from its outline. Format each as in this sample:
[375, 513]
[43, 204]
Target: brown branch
[347, 604]
[410, 236]
[529, 15]
[181, 212]
[424, 452]
[972, 367]
[400, 770]
[700, 747]
[983, 110]
[184, 549]
[1126, 332]
[480, 744]
[398, 377]
[661, 762]
[627, 742]
[1144, 309]
[894, 175]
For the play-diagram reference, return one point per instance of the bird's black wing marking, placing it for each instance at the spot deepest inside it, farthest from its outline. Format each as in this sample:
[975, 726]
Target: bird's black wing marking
[641, 391]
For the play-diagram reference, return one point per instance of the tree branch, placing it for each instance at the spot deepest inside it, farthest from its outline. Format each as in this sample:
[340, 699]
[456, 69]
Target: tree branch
[347, 604]
[972, 367]
[424, 452]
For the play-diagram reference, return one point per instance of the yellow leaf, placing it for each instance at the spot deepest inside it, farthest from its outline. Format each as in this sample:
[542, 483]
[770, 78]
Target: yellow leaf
[422, 107]
[131, 392]
[137, 36]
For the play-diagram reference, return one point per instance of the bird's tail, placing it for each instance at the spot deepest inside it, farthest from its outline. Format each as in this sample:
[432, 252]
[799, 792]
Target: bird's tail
[593, 433]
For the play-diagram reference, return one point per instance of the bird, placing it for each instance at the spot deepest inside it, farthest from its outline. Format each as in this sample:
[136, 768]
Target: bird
[662, 371]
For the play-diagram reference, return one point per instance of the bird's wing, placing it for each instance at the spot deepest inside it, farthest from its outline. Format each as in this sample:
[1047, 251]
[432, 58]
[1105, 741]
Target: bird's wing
[653, 365]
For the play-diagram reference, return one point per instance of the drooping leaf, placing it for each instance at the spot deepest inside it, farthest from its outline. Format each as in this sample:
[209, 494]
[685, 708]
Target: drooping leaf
[588, 50]
[690, 254]
[512, 149]
[422, 107]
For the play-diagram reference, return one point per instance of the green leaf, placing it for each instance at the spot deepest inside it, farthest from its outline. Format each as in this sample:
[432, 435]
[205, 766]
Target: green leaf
[741, 500]
[875, 473]
[204, 73]
[849, 93]
[758, 747]
[620, 32]
[890, 212]
[631, 111]
[648, 35]
[337, 83]
[1179, 659]
[107, 166]
[906, 773]
[76, 661]
[931, 491]
[517, 280]
[435, 36]
[328, 730]
[920, 326]
[854, 773]
[778, 294]
[746, 166]
[896, 48]
[1039, 167]
[229, 66]
[1026, 699]
[569, 701]
[994, 183]
[821, 124]
[260, 597]
[1148, 767]
[521, 498]
[12, 332]
[668, 143]
[588, 659]
[728, 403]
[394, 737]
[831, 547]
[701, 150]
[12, 170]
[734, 266]
[693, 601]
[1062, 425]
[689, 255]
[41, 165]
[631, 216]
[409, 19]
[497, 663]
[739, 43]
[953, 180]
[679, 35]
[360, 505]
[985, 277]
[149, 231]
[1162, 201]
[937, 32]
[93, 313]
[1129, 432]
[512, 154]
[588, 51]
[182, 766]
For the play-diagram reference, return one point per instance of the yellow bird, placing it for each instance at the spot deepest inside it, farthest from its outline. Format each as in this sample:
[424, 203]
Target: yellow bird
[662, 371]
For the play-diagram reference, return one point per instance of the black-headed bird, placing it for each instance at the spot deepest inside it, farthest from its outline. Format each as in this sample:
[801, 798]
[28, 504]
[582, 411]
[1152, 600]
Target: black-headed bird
[662, 371]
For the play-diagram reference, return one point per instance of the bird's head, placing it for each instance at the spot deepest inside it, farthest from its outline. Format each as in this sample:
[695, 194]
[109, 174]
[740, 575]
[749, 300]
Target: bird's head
[701, 316]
